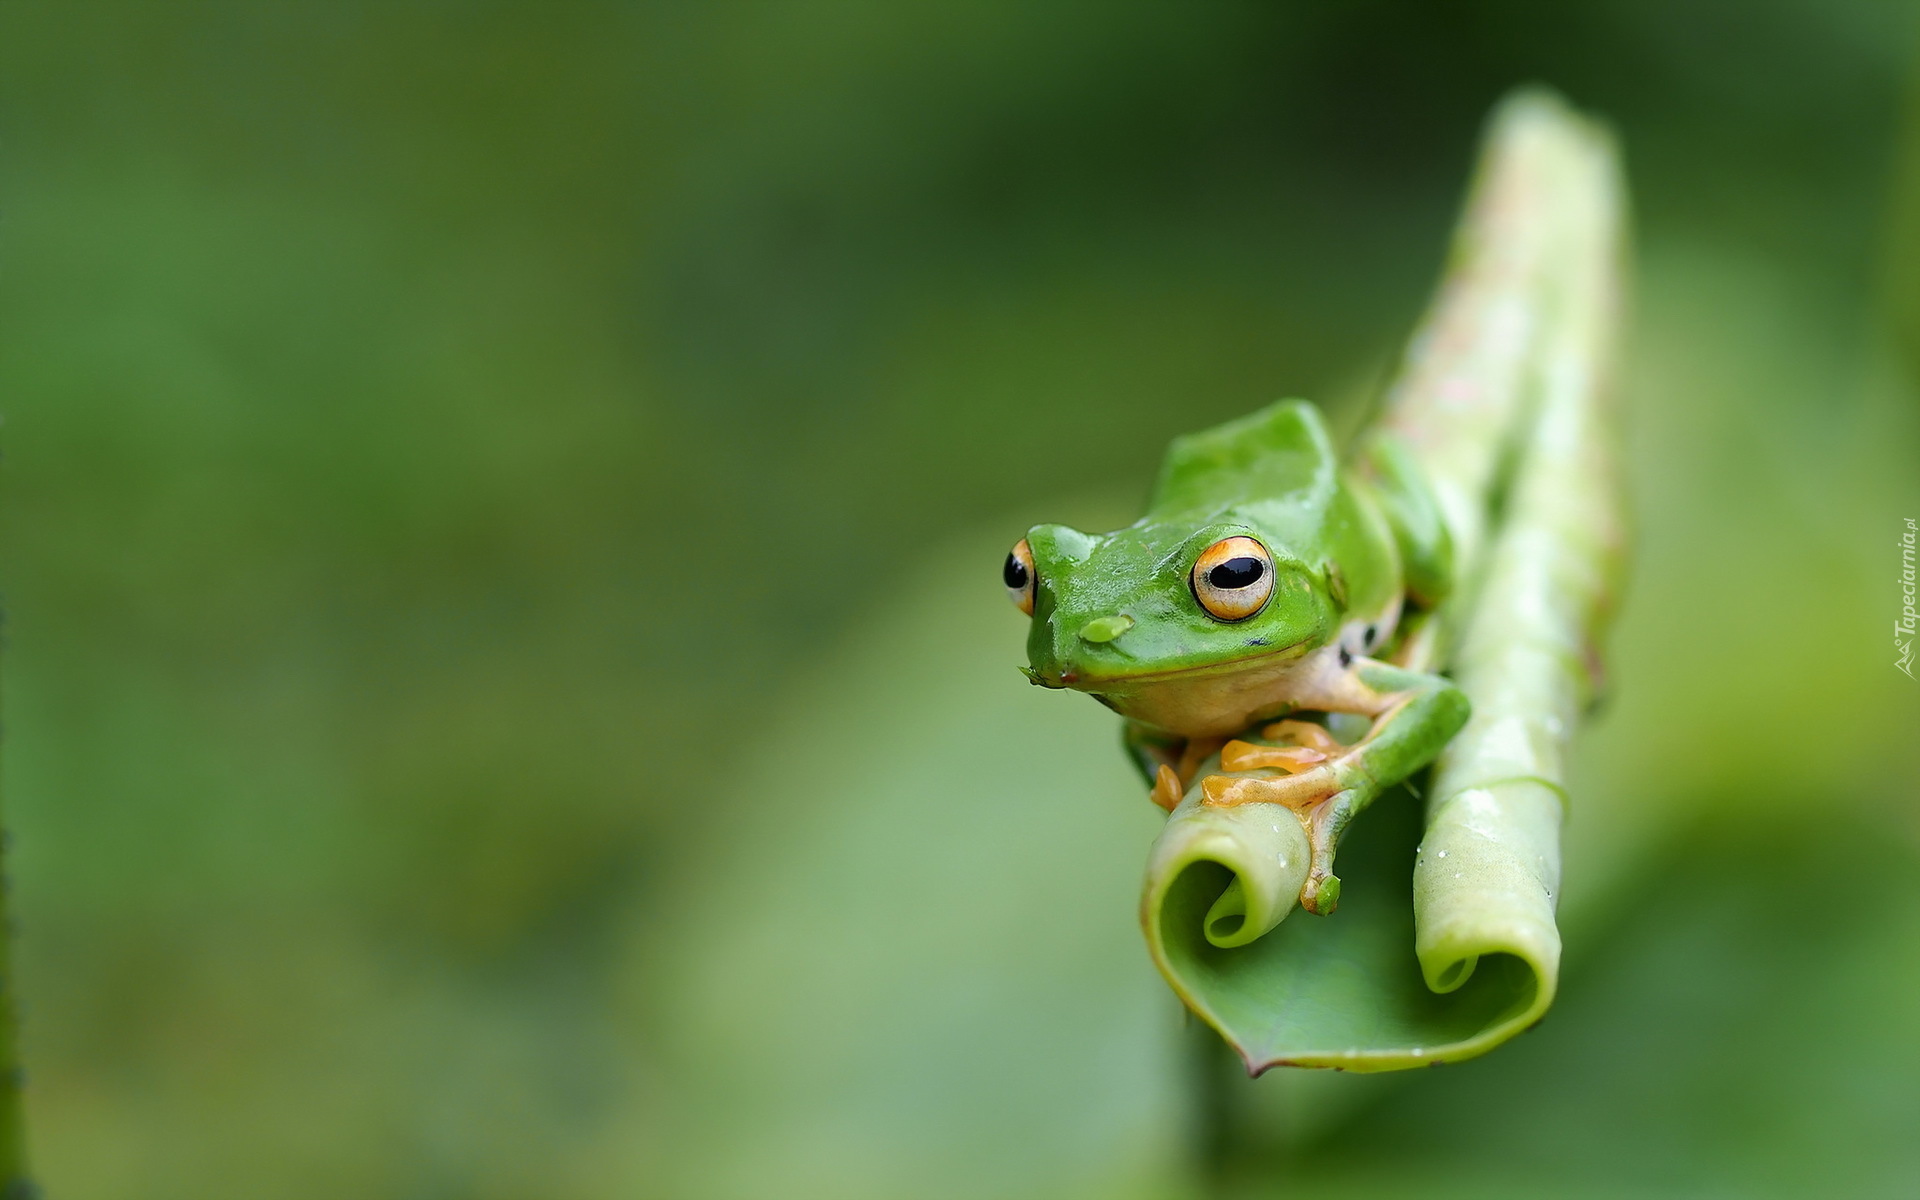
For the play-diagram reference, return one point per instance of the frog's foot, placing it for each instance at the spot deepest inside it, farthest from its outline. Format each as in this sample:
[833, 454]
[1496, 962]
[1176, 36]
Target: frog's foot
[1304, 733]
[1301, 791]
[1309, 746]
[1245, 756]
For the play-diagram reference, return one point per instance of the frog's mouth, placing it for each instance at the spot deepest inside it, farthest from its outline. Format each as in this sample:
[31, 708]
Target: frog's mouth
[1078, 678]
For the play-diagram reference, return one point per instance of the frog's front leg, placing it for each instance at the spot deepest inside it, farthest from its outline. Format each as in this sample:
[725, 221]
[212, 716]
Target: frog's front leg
[1414, 715]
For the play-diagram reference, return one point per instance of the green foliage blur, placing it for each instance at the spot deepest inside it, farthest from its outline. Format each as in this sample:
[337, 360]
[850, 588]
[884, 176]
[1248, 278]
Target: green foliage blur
[507, 690]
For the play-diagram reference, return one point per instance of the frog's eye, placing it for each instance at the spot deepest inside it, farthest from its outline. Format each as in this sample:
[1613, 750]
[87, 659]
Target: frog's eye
[1233, 578]
[1018, 575]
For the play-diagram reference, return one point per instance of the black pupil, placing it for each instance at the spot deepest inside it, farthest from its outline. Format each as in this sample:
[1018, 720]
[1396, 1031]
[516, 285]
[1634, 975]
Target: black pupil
[1015, 573]
[1237, 573]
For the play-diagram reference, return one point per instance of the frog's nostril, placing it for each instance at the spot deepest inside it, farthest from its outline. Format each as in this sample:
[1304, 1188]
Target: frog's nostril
[1106, 628]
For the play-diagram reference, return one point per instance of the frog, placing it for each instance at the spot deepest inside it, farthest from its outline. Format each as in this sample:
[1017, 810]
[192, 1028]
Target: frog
[1271, 584]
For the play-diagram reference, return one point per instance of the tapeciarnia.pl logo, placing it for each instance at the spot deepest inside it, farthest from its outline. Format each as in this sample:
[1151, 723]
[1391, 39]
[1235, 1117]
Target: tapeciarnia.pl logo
[1903, 628]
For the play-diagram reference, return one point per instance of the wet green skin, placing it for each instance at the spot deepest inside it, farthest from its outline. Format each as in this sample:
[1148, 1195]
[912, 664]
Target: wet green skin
[1356, 554]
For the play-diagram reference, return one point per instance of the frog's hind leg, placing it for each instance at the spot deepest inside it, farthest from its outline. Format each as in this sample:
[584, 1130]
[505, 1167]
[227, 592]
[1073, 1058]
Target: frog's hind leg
[1198, 750]
[1168, 763]
[1148, 749]
[1416, 642]
[1406, 498]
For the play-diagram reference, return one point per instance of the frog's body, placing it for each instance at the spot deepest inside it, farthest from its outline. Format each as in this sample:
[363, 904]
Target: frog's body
[1262, 581]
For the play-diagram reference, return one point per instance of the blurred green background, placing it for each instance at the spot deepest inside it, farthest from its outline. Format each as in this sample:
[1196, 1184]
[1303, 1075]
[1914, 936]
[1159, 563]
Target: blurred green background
[507, 689]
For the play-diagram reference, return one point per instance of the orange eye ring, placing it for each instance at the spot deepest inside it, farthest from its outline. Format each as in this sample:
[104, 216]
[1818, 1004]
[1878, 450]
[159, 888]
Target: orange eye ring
[1019, 576]
[1233, 578]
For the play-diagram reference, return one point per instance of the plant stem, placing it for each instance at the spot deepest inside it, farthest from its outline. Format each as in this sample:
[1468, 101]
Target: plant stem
[1500, 401]
[1526, 656]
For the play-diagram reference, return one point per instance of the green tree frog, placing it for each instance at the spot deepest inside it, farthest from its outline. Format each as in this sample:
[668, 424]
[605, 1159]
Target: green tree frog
[1267, 579]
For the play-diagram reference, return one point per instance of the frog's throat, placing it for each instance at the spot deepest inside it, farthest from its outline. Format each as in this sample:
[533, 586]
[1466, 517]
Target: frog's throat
[1218, 700]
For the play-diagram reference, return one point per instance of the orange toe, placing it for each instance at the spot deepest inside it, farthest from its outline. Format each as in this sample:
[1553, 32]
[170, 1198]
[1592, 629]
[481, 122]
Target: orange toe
[1245, 756]
[1166, 788]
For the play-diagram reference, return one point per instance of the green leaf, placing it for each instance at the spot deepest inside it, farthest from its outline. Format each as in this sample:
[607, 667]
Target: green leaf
[1339, 991]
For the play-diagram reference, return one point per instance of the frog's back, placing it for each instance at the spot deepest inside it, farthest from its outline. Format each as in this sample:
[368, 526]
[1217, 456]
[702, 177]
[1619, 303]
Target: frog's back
[1279, 456]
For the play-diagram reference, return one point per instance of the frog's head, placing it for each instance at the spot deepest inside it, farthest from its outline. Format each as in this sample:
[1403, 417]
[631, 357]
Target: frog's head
[1155, 600]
